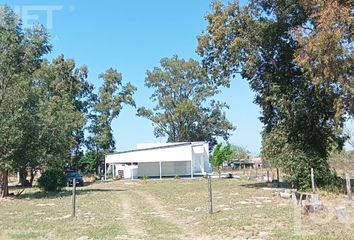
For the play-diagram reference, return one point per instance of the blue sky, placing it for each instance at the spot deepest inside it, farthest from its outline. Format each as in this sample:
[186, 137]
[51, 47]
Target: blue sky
[132, 36]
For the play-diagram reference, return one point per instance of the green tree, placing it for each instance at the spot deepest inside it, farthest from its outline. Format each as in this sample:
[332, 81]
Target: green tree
[220, 155]
[89, 162]
[63, 98]
[55, 117]
[259, 42]
[239, 153]
[108, 104]
[21, 54]
[184, 111]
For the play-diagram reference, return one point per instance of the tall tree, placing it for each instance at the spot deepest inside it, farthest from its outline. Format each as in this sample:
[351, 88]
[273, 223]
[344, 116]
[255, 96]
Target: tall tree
[184, 111]
[55, 114]
[258, 41]
[108, 104]
[64, 88]
[21, 54]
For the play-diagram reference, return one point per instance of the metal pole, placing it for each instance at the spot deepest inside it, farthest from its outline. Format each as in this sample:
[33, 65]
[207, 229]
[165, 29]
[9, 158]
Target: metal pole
[313, 181]
[132, 170]
[210, 195]
[160, 171]
[191, 168]
[105, 171]
[74, 198]
[113, 171]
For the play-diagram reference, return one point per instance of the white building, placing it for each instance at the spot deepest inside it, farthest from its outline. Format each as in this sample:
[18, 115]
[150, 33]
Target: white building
[161, 160]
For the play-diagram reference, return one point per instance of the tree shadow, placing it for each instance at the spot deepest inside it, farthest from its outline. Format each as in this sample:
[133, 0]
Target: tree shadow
[267, 185]
[64, 193]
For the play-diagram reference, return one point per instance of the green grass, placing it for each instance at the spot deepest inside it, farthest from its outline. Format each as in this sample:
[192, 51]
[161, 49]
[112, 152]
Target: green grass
[168, 209]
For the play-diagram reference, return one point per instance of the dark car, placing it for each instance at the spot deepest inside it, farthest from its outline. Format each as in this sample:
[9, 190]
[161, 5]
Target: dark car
[74, 175]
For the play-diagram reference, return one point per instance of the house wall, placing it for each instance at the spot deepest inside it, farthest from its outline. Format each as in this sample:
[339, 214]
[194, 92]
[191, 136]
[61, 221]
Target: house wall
[128, 170]
[200, 155]
[175, 160]
[152, 169]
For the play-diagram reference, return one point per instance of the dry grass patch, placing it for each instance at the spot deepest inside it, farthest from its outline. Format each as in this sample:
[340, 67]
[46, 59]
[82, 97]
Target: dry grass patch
[168, 209]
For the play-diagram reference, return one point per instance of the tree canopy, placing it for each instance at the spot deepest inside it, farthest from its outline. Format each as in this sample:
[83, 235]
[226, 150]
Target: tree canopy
[46, 106]
[185, 109]
[107, 105]
[21, 54]
[261, 41]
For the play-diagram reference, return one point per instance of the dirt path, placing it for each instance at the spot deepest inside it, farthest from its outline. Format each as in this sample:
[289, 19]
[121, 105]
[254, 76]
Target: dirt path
[157, 208]
[130, 216]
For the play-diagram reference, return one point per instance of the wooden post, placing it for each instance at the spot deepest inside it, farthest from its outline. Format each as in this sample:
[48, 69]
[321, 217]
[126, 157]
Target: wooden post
[278, 182]
[267, 175]
[105, 171]
[74, 198]
[349, 189]
[210, 195]
[313, 181]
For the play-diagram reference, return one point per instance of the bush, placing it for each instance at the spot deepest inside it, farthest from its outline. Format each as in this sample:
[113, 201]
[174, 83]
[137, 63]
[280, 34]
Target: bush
[52, 180]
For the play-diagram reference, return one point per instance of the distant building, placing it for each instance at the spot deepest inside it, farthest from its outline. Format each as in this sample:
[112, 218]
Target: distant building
[160, 160]
[257, 161]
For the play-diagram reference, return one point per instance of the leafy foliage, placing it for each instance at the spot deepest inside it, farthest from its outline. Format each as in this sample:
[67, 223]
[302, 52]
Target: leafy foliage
[89, 162]
[21, 54]
[301, 124]
[52, 180]
[326, 49]
[220, 155]
[239, 153]
[107, 105]
[182, 90]
[44, 106]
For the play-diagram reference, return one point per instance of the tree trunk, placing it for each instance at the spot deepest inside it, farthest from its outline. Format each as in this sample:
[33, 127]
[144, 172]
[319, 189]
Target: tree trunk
[23, 177]
[4, 186]
[33, 174]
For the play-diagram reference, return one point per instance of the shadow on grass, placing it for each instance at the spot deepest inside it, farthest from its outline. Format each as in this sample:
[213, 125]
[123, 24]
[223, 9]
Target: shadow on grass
[64, 193]
[267, 184]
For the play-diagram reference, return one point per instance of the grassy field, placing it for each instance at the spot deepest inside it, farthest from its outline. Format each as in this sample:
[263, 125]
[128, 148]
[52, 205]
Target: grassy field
[169, 209]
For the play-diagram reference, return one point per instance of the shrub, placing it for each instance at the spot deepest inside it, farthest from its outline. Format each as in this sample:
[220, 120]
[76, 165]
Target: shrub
[177, 177]
[52, 180]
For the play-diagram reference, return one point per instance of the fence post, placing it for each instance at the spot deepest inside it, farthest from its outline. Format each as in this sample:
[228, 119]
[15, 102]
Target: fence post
[267, 175]
[313, 181]
[349, 189]
[278, 181]
[210, 195]
[74, 198]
